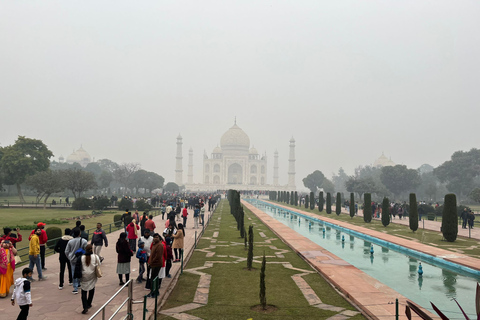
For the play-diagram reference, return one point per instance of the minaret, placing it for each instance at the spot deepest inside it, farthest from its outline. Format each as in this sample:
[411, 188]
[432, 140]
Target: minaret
[178, 167]
[190, 166]
[275, 168]
[291, 165]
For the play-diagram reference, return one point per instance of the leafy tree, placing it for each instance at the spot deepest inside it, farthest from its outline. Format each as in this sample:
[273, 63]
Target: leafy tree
[250, 248]
[352, 205]
[361, 185]
[321, 201]
[312, 200]
[399, 179]
[328, 186]
[450, 218]
[263, 297]
[475, 195]
[367, 207]
[338, 204]
[171, 187]
[385, 212]
[413, 218]
[339, 180]
[459, 172]
[108, 165]
[428, 187]
[314, 180]
[329, 203]
[46, 183]
[22, 159]
[105, 179]
[94, 168]
[123, 174]
[78, 181]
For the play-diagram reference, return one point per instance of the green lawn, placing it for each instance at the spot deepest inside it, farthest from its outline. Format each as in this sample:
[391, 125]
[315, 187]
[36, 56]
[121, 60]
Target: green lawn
[234, 289]
[470, 247]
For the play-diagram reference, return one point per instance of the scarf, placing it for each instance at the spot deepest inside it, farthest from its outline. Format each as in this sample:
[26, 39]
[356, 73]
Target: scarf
[6, 258]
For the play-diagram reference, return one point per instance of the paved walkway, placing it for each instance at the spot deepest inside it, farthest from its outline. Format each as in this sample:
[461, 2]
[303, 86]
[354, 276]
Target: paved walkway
[49, 303]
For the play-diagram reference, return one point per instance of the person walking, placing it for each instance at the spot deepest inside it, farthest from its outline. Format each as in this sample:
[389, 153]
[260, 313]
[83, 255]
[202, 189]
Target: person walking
[22, 294]
[90, 262]
[156, 263]
[142, 259]
[43, 238]
[464, 216]
[34, 254]
[178, 242]
[184, 215]
[471, 217]
[202, 215]
[98, 239]
[72, 246]
[150, 224]
[124, 256]
[132, 234]
[7, 267]
[143, 219]
[147, 240]
[60, 247]
[196, 214]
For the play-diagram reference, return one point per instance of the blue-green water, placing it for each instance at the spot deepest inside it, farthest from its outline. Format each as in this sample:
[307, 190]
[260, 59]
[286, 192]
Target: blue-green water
[394, 269]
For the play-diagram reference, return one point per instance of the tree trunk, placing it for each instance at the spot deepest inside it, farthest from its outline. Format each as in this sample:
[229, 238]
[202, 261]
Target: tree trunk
[20, 194]
[45, 203]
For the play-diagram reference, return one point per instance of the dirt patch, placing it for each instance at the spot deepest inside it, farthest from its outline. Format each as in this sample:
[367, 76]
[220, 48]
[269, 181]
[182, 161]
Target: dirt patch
[268, 309]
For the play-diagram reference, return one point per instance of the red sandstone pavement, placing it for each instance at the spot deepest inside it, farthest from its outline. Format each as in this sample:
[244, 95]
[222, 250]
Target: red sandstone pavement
[49, 303]
[373, 297]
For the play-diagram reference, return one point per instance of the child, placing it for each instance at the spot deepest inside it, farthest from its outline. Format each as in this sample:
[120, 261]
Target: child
[168, 262]
[21, 292]
[142, 258]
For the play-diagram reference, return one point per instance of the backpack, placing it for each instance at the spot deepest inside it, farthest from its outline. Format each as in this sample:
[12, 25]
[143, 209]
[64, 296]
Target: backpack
[78, 264]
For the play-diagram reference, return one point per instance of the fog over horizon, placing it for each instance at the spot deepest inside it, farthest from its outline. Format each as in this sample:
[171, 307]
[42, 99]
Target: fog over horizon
[347, 79]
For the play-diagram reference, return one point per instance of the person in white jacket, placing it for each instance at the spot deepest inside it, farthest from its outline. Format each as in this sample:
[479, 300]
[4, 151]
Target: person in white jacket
[21, 293]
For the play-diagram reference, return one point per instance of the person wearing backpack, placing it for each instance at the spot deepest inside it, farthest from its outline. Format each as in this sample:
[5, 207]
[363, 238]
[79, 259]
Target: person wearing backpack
[71, 252]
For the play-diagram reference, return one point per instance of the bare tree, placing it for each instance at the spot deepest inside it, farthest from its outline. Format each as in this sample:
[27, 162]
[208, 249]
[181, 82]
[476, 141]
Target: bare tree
[123, 174]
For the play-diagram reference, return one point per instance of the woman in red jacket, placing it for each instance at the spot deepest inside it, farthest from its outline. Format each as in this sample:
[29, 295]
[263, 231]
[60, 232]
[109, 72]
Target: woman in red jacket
[132, 232]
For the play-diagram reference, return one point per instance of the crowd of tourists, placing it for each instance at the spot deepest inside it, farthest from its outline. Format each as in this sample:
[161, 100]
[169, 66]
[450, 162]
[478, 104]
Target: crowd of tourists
[81, 257]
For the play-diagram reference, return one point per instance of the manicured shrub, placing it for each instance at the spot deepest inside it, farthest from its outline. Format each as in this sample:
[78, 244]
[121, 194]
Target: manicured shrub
[117, 219]
[329, 203]
[312, 201]
[450, 218]
[338, 204]
[101, 203]
[143, 205]
[250, 248]
[53, 233]
[306, 202]
[296, 198]
[292, 198]
[367, 207]
[82, 204]
[413, 215]
[287, 199]
[385, 212]
[321, 201]
[352, 204]
[263, 298]
[125, 204]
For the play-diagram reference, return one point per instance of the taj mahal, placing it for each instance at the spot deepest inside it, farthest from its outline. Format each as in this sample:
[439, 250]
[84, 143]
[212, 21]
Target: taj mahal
[234, 165]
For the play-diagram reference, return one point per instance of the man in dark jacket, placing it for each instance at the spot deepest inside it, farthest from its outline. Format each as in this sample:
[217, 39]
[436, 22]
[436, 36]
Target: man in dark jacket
[72, 246]
[156, 261]
[83, 233]
[64, 261]
[99, 237]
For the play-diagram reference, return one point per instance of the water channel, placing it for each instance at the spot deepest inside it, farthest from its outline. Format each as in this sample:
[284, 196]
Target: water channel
[397, 268]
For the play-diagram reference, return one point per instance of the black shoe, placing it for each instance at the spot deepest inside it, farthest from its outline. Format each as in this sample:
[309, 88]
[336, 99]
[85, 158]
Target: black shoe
[121, 283]
[88, 307]
[84, 311]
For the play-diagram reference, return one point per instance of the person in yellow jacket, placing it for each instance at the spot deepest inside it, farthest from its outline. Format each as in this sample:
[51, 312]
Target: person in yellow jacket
[34, 254]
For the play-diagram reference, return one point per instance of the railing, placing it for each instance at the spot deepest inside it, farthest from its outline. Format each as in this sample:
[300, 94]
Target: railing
[109, 228]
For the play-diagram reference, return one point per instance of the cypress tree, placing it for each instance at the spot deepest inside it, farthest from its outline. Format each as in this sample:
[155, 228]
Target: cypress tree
[367, 207]
[285, 196]
[450, 218]
[306, 202]
[321, 201]
[413, 216]
[296, 198]
[329, 203]
[250, 248]
[312, 201]
[242, 226]
[287, 200]
[385, 212]
[263, 298]
[338, 204]
[352, 205]
[292, 198]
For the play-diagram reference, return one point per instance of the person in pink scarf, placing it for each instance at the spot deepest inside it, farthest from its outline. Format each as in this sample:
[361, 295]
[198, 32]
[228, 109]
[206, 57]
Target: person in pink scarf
[7, 267]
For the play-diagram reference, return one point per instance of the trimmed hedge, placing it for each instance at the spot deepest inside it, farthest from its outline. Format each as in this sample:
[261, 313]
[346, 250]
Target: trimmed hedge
[117, 219]
[450, 218]
[53, 233]
[321, 201]
[385, 212]
[82, 204]
[338, 204]
[352, 205]
[413, 214]
[329, 203]
[367, 207]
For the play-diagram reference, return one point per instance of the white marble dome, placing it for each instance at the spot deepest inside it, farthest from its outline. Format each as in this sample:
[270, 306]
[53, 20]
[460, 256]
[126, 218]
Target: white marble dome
[235, 139]
[80, 156]
[253, 151]
[217, 150]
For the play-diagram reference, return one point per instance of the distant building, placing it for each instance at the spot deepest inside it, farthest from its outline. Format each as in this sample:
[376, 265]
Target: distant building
[80, 156]
[383, 161]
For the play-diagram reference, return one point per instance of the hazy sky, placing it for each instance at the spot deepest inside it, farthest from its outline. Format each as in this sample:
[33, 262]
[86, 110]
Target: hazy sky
[346, 79]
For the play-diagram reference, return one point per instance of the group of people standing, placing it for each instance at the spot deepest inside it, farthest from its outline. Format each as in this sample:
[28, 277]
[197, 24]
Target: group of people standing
[467, 217]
